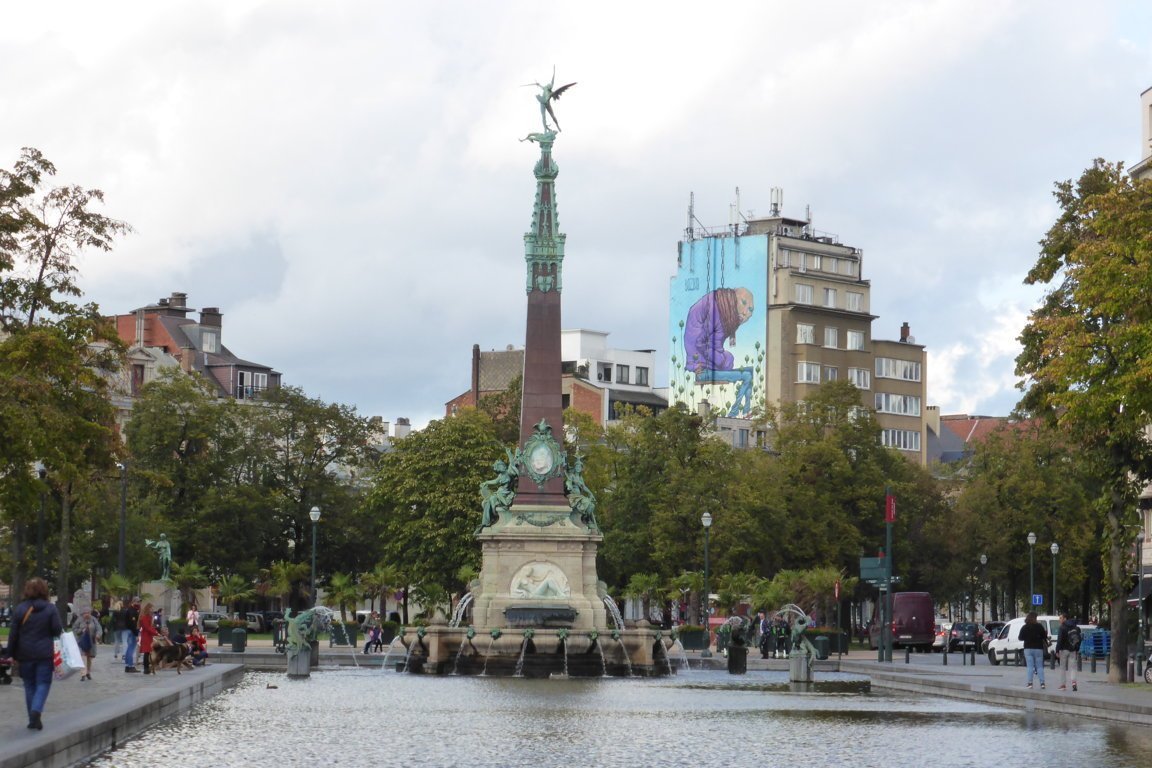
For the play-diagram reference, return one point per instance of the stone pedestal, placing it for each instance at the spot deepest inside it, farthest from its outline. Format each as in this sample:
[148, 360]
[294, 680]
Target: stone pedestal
[299, 665]
[538, 570]
[799, 669]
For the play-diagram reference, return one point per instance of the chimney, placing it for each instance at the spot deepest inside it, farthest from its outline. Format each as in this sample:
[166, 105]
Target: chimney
[904, 333]
[179, 300]
[475, 374]
[210, 317]
[186, 354]
[403, 427]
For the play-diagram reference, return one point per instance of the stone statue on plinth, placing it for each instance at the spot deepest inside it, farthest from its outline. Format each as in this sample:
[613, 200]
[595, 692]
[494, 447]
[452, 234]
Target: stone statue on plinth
[164, 552]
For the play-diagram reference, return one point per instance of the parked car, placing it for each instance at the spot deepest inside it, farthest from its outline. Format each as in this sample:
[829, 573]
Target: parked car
[1009, 638]
[269, 618]
[5, 612]
[964, 636]
[255, 622]
[211, 620]
[940, 638]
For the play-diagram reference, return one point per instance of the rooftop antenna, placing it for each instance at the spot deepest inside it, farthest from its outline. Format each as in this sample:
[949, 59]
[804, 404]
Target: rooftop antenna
[777, 198]
[691, 215]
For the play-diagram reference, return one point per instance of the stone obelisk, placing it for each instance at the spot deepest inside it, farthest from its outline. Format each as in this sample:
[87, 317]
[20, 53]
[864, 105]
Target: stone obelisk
[539, 534]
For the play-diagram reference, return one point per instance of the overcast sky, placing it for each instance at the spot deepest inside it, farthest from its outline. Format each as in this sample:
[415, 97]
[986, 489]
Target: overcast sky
[345, 181]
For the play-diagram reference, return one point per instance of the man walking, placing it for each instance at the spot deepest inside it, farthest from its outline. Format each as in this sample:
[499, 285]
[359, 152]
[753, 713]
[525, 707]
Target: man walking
[131, 631]
[1067, 649]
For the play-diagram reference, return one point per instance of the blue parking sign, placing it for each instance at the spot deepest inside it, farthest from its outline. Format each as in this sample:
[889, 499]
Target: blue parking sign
[1037, 600]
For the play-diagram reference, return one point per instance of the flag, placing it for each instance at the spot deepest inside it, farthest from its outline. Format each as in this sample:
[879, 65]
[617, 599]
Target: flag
[889, 507]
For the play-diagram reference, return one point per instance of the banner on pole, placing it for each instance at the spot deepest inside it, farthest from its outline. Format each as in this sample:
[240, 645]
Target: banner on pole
[889, 508]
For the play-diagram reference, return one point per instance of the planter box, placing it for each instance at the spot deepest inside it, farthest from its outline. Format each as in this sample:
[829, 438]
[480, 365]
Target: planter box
[694, 639]
[342, 635]
[224, 636]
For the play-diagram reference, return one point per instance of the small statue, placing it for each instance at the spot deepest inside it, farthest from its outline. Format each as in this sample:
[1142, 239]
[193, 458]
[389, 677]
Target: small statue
[498, 493]
[164, 552]
[580, 497]
[304, 628]
[545, 97]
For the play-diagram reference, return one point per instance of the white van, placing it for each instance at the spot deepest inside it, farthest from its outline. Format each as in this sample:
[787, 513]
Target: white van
[1009, 639]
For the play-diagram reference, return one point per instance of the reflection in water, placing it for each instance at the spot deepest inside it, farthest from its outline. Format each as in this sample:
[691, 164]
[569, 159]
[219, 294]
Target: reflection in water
[363, 717]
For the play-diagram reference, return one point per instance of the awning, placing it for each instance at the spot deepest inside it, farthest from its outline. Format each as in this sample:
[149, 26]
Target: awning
[1134, 598]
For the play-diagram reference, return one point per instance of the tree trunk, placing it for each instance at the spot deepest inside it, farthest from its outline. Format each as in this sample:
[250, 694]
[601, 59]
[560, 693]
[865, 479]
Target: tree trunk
[1117, 583]
[63, 593]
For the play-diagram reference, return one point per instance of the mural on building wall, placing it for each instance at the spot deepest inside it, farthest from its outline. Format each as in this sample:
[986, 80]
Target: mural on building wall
[718, 324]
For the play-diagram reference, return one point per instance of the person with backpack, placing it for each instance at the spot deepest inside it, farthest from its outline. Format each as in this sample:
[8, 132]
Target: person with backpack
[1067, 648]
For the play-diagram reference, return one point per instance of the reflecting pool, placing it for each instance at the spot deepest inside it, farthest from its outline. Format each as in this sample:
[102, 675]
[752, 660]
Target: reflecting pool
[369, 717]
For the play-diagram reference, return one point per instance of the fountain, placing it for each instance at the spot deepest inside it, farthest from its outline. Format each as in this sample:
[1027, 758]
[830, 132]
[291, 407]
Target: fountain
[538, 533]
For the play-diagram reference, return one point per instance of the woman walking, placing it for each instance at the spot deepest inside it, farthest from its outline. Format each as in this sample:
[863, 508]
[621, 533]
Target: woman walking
[88, 633]
[1035, 639]
[35, 624]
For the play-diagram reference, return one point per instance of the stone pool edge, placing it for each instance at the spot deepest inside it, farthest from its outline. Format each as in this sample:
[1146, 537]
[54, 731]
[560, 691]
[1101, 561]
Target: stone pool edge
[85, 733]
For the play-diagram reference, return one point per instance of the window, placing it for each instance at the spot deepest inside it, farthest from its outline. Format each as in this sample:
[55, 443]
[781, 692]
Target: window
[210, 342]
[888, 368]
[805, 333]
[904, 405]
[808, 373]
[742, 438]
[830, 297]
[854, 301]
[831, 337]
[830, 373]
[831, 264]
[814, 261]
[641, 376]
[622, 374]
[856, 340]
[860, 377]
[903, 439]
[803, 293]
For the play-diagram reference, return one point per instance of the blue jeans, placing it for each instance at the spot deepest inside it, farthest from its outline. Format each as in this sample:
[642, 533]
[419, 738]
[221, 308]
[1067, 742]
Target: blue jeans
[37, 677]
[1034, 659]
[129, 649]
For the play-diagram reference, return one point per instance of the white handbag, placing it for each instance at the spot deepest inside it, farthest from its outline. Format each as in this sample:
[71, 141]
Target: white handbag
[67, 657]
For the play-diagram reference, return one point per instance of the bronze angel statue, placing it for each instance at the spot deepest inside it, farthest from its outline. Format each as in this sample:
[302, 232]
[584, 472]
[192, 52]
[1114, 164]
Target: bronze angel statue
[548, 93]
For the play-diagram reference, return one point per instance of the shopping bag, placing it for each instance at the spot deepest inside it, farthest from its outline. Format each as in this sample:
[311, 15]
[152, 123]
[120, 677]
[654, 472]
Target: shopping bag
[67, 658]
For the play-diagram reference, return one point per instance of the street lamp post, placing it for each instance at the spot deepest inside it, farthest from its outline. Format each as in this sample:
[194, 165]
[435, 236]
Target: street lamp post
[120, 567]
[1031, 569]
[1055, 550]
[43, 473]
[983, 583]
[1140, 595]
[314, 516]
[706, 521]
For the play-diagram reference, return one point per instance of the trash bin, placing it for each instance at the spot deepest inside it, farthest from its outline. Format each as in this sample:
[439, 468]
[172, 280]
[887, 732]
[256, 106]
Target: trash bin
[737, 659]
[239, 639]
[822, 645]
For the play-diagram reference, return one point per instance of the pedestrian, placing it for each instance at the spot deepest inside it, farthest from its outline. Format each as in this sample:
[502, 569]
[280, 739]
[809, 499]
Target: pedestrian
[193, 617]
[1067, 649]
[35, 625]
[148, 633]
[1035, 639]
[131, 633]
[117, 629]
[88, 633]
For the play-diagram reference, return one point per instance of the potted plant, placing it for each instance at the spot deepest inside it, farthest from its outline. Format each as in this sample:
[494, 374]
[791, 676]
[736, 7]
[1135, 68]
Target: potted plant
[388, 630]
[343, 633]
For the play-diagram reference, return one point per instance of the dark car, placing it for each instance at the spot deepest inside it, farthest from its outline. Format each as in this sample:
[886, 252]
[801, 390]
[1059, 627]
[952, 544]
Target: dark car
[964, 636]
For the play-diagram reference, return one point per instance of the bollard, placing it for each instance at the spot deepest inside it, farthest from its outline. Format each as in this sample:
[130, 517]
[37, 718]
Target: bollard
[1108, 664]
[944, 653]
[1092, 665]
[1079, 663]
[963, 657]
[973, 651]
[907, 654]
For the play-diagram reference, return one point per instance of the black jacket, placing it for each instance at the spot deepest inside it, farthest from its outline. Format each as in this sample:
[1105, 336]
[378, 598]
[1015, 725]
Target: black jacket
[30, 639]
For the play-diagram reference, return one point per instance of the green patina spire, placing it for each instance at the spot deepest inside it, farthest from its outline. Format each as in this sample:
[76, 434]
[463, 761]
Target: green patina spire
[544, 243]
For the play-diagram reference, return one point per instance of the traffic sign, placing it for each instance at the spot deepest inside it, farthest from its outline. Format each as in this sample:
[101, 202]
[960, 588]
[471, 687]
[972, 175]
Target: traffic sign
[1037, 600]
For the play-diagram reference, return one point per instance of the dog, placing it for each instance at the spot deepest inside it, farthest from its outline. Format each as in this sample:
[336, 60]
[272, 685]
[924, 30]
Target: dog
[166, 654]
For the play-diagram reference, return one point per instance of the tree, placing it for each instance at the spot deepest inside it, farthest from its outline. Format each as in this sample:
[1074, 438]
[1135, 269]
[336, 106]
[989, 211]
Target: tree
[234, 589]
[187, 578]
[1085, 352]
[56, 354]
[426, 500]
[344, 591]
[377, 583]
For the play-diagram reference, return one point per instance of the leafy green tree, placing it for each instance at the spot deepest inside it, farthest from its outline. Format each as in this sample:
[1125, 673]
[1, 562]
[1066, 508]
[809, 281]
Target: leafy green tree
[187, 578]
[426, 501]
[284, 579]
[644, 587]
[504, 410]
[1085, 351]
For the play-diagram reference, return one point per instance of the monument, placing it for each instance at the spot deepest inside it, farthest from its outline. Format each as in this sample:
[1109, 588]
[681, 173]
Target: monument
[538, 594]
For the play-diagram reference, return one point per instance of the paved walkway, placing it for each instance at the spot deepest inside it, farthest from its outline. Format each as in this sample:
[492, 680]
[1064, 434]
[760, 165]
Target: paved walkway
[75, 706]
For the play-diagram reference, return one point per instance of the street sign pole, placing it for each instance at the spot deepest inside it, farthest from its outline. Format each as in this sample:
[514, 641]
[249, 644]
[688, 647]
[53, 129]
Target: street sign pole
[889, 519]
